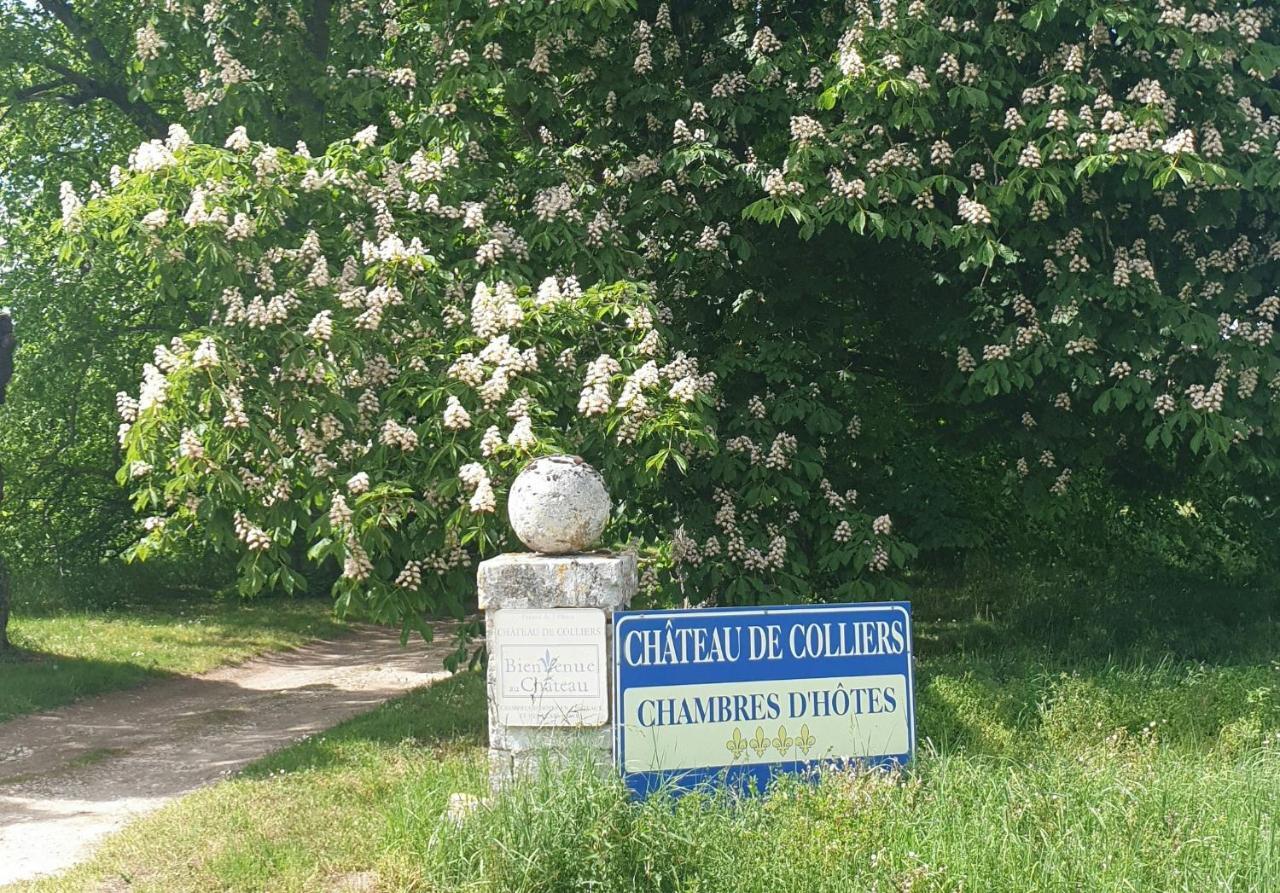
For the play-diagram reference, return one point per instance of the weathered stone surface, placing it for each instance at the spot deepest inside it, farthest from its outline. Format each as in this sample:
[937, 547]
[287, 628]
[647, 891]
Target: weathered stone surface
[558, 504]
[507, 766]
[523, 739]
[598, 580]
[545, 581]
[529, 762]
[461, 806]
[522, 580]
[501, 768]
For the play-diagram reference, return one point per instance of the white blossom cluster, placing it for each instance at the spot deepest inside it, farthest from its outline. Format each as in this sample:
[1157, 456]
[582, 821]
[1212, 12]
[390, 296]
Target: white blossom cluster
[879, 561]
[973, 213]
[71, 205]
[456, 417]
[1061, 483]
[394, 434]
[834, 499]
[1207, 399]
[474, 476]
[554, 202]
[780, 451]
[148, 42]
[254, 538]
[595, 398]
[356, 564]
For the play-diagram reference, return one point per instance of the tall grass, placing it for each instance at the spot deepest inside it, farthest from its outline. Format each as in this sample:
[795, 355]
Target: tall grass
[1130, 817]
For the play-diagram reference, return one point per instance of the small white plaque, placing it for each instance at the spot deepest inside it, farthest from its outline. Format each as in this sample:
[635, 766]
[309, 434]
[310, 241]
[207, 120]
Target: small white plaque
[550, 667]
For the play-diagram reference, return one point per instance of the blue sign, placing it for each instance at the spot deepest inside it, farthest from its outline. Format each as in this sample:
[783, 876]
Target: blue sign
[735, 695]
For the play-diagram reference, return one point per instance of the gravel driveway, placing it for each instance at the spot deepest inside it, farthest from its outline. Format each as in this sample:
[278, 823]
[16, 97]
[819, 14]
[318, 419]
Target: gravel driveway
[70, 776]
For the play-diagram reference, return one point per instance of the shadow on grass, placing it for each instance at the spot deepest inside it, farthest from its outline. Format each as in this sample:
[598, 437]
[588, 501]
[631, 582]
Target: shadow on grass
[1139, 614]
[66, 650]
[224, 607]
[1015, 662]
[31, 681]
[994, 689]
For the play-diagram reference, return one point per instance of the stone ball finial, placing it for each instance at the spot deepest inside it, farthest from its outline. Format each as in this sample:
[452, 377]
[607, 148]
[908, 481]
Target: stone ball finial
[558, 504]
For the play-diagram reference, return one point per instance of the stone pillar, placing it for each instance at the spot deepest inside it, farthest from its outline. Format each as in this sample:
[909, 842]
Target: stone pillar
[548, 622]
[518, 582]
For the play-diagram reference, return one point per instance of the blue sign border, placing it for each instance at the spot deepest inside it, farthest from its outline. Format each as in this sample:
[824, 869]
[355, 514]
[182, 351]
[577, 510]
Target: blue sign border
[754, 776]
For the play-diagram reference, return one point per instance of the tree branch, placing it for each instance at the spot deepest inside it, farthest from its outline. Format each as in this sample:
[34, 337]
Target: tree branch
[79, 28]
[112, 86]
[36, 92]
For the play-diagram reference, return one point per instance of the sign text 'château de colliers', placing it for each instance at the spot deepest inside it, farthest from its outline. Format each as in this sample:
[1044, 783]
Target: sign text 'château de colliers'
[733, 694]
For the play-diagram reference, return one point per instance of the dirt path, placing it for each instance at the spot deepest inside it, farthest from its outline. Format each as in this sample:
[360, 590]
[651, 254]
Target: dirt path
[70, 776]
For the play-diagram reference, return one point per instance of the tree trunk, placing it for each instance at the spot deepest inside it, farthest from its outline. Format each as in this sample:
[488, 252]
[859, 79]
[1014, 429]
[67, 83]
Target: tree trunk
[4, 587]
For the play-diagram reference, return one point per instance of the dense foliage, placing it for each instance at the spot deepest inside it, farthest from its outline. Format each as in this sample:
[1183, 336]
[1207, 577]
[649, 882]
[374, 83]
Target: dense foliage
[947, 262]
[369, 407]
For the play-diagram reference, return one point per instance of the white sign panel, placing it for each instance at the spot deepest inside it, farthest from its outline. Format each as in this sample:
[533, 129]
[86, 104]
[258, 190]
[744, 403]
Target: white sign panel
[550, 667]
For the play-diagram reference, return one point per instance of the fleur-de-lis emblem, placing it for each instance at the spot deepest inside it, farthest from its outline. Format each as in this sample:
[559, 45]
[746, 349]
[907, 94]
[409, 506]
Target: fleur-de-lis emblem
[782, 741]
[737, 744]
[804, 740]
[759, 742]
[548, 662]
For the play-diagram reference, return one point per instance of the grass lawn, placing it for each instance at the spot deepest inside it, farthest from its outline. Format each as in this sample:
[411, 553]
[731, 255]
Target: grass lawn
[65, 650]
[1116, 750]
